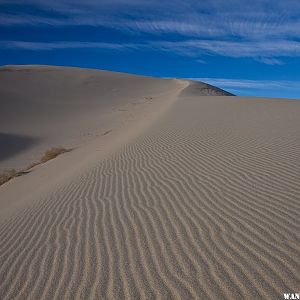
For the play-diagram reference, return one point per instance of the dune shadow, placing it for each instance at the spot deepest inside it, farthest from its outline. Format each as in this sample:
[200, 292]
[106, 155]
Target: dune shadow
[198, 88]
[13, 144]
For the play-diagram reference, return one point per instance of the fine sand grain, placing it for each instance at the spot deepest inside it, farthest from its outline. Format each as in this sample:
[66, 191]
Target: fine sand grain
[193, 197]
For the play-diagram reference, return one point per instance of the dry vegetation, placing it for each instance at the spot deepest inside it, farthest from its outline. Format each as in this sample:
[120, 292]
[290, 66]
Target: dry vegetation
[52, 153]
[7, 175]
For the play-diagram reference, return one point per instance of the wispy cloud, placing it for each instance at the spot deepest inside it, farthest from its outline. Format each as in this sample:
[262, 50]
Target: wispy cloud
[270, 61]
[259, 29]
[261, 51]
[47, 46]
[270, 88]
[250, 84]
[256, 49]
[241, 18]
[25, 19]
[201, 61]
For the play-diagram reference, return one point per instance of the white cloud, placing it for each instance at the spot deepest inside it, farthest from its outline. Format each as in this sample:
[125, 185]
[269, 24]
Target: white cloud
[262, 51]
[62, 45]
[264, 88]
[260, 29]
[201, 61]
[270, 61]
[240, 18]
[17, 20]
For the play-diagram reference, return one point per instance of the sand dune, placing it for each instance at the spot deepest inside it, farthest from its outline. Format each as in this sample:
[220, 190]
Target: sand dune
[44, 106]
[196, 197]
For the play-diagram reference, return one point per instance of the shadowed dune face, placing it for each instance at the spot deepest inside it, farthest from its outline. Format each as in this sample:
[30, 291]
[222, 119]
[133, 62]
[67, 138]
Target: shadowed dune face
[13, 144]
[197, 88]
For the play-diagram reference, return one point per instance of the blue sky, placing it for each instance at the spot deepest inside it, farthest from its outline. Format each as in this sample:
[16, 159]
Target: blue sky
[247, 47]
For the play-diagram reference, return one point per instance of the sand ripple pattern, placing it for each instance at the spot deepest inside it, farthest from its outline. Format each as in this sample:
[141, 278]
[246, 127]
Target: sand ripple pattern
[204, 205]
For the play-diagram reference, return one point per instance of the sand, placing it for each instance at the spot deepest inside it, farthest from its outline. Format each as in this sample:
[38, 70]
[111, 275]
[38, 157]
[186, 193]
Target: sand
[188, 197]
[44, 106]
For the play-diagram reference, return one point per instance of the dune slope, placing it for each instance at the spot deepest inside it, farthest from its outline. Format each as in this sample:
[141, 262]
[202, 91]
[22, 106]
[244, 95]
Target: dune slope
[202, 203]
[46, 106]
[43, 107]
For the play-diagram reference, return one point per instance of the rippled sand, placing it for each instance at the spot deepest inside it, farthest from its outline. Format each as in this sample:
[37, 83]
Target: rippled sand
[194, 197]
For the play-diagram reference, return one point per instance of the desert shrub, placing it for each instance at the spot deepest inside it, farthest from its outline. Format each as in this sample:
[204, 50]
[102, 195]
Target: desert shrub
[52, 153]
[32, 165]
[7, 175]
